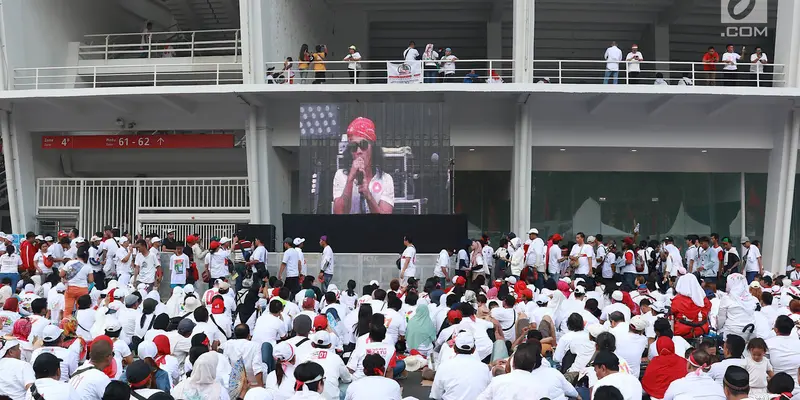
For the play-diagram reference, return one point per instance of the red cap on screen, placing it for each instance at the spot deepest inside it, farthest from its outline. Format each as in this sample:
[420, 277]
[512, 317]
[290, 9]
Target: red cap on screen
[361, 128]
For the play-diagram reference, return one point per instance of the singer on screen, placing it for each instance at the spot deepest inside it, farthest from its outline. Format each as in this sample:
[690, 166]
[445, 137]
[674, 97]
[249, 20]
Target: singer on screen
[361, 186]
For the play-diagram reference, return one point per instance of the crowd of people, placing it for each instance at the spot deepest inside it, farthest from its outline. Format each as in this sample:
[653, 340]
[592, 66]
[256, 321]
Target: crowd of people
[534, 318]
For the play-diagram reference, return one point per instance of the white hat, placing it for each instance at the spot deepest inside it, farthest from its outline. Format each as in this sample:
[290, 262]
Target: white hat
[120, 293]
[8, 346]
[155, 239]
[39, 237]
[80, 239]
[30, 287]
[48, 238]
[298, 241]
[322, 338]
[51, 333]
[374, 282]
[191, 304]
[10, 238]
[123, 240]
[596, 329]
[754, 284]
[511, 280]
[617, 295]
[115, 306]
[95, 238]
[284, 351]
[638, 323]
[224, 240]
[333, 288]
[533, 231]
[465, 340]
[579, 280]
[580, 290]
[566, 279]
[590, 239]
[113, 325]
[60, 287]
[542, 298]
[189, 288]
[147, 350]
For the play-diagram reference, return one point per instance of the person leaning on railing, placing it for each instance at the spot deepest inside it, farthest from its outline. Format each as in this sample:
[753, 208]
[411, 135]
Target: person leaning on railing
[353, 57]
[318, 63]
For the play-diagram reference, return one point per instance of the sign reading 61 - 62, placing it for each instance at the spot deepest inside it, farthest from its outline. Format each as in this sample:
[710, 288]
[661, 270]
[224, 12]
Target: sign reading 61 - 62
[189, 141]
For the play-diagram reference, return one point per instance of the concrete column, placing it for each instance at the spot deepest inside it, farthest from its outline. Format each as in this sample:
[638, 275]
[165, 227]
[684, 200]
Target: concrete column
[787, 41]
[252, 27]
[494, 40]
[20, 181]
[521, 171]
[661, 46]
[524, 13]
[780, 194]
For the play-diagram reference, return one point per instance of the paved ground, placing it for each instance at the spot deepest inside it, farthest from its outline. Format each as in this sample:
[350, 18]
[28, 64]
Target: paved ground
[412, 386]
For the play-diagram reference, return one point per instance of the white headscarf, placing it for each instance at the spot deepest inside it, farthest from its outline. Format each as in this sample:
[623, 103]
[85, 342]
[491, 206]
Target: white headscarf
[175, 301]
[739, 291]
[689, 286]
[202, 384]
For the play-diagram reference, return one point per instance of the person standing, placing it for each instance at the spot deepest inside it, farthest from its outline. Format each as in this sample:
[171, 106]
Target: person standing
[633, 59]
[408, 261]
[441, 267]
[536, 256]
[178, 266]
[353, 57]
[318, 63]
[751, 256]
[612, 56]
[429, 58]
[289, 264]
[258, 260]
[582, 256]
[124, 258]
[411, 54]
[757, 61]
[449, 66]
[27, 250]
[710, 61]
[146, 265]
[730, 58]
[488, 255]
[327, 263]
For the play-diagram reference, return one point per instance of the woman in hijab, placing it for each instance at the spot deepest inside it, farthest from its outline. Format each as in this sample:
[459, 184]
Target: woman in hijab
[248, 307]
[164, 358]
[145, 323]
[420, 333]
[736, 310]
[663, 369]
[173, 308]
[160, 307]
[690, 308]
[9, 315]
[202, 384]
[21, 331]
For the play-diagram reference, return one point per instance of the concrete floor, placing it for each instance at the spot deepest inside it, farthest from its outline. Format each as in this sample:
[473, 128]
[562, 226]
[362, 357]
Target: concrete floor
[412, 386]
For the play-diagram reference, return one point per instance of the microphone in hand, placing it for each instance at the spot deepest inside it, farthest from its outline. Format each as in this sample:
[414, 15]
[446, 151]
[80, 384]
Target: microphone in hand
[362, 200]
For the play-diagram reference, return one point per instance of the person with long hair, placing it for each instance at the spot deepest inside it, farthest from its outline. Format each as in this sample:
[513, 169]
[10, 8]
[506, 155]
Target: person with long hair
[361, 186]
[303, 59]
[280, 380]
[349, 297]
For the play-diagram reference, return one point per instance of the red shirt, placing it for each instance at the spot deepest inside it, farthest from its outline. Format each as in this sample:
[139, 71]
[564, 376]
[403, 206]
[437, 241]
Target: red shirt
[683, 306]
[708, 60]
[26, 252]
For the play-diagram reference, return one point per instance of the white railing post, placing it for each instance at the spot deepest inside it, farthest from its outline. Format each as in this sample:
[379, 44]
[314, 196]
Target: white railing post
[694, 80]
[217, 74]
[560, 79]
[155, 73]
[236, 45]
[627, 76]
[36, 79]
[149, 45]
[192, 51]
[758, 77]
[105, 56]
[94, 76]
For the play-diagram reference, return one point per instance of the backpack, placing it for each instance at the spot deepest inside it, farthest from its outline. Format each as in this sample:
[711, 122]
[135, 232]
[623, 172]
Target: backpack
[174, 321]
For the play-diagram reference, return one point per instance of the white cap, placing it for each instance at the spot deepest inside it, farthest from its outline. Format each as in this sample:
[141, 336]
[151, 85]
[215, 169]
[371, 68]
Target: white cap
[51, 333]
[596, 329]
[284, 351]
[590, 239]
[79, 239]
[542, 298]
[638, 323]
[48, 238]
[374, 282]
[224, 240]
[155, 239]
[95, 238]
[455, 278]
[39, 237]
[60, 287]
[754, 284]
[533, 231]
[298, 241]
[120, 293]
[580, 290]
[123, 240]
[566, 279]
[333, 288]
[322, 338]
[147, 350]
[465, 340]
[10, 238]
[511, 280]
[113, 325]
[578, 280]
[8, 346]
[617, 295]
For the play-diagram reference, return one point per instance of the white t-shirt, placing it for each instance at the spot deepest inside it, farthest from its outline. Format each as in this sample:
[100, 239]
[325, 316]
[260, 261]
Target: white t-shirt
[147, 266]
[123, 268]
[633, 64]
[462, 256]
[488, 252]
[395, 326]
[585, 253]
[449, 66]
[381, 186]
[507, 318]
[613, 56]
[216, 265]
[356, 362]
[554, 267]
[410, 253]
[353, 64]
[90, 384]
[627, 384]
[757, 67]
[442, 261]
[410, 54]
[327, 258]
[9, 263]
[7, 320]
[752, 258]
[733, 57]
[374, 387]
[38, 259]
[247, 351]
[259, 254]
[77, 273]
[269, 328]
[16, 375]
[177, 266]
[110, 246]
[52, 389]
[290, 259]
[334, 369]
[632, 349]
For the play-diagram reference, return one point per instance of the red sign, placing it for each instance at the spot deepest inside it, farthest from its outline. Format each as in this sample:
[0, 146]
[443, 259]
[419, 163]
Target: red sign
[189, 141]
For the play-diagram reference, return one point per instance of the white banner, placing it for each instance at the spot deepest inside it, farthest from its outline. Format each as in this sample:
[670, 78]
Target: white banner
[407, 72]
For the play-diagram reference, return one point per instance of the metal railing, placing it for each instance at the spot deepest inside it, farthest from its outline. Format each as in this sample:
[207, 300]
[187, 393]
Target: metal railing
[672, 73]
[223, 42]
[120, 201]
[368, 71]
[173, 74]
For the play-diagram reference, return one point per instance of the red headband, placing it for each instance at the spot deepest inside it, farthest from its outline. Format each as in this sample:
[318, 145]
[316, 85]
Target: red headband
[361, 128]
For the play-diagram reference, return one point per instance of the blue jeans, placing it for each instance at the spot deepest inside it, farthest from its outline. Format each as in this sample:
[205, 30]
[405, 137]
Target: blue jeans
[443, 282]
[14, 279]
[608, 74]
[630, 279]
[750, 276]
[399, 367]
[431, 75]
[326, 280]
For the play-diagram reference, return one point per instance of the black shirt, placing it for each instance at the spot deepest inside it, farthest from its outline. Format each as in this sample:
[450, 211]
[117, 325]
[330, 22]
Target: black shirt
[170, 244]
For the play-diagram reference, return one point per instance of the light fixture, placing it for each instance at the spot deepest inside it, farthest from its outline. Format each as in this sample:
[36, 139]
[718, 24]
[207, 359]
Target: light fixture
[704, 151]
[602, 199]
[562, 149]
[634, 150]
[471, 149]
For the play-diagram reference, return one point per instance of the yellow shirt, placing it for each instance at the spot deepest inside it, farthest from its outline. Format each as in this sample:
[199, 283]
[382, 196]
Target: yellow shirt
[318, 64]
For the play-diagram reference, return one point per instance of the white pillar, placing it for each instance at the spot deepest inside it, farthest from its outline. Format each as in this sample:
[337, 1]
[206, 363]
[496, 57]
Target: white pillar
[787, 41]
[252, 34]
[661, 42]
[522, 165]
[494, 40]
[780, 194]
[524, 13]
[20, 180]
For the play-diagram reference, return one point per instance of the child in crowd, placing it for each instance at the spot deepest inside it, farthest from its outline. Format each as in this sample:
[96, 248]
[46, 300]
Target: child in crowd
[758, 366]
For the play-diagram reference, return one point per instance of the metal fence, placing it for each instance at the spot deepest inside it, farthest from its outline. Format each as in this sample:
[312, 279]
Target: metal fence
[177, 44]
